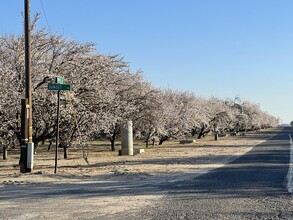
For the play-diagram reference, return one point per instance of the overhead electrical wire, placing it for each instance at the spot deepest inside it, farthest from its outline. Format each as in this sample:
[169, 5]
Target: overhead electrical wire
[49, 29]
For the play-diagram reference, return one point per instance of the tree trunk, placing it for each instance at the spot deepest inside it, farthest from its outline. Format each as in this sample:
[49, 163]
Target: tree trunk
[113, 139]
[50, 144]
[216, 136]
[147, 140]
[147, 143]
[65, 149]
[4, 153]
[153, 140]
[193, 131]
[112, 144]
[163, 139]
[36, 145]
[201, 133]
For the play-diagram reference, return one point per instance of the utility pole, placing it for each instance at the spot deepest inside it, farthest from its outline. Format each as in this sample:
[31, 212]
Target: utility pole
[26, 162]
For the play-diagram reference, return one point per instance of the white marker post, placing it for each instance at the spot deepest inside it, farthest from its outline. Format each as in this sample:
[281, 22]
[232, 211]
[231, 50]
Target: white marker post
[127, 138]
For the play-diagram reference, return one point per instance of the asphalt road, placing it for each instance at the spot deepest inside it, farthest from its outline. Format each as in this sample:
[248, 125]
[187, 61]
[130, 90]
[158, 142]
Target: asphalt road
[253, 186]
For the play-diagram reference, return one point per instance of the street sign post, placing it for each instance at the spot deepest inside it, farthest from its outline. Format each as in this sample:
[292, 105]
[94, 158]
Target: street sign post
[58, 86]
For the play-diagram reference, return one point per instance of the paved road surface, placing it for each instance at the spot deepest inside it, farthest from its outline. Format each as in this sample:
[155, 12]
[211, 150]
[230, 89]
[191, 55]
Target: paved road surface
[252, 187]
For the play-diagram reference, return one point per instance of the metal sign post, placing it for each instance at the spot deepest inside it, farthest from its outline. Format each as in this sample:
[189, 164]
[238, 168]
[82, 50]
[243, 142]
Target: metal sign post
[57, 131]
[58, 86]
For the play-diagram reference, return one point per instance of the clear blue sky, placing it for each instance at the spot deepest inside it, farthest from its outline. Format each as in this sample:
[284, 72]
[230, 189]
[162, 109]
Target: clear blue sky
[217, 48]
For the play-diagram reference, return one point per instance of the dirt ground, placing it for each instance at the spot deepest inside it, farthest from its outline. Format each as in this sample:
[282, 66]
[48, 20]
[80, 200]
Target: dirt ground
[170, 162]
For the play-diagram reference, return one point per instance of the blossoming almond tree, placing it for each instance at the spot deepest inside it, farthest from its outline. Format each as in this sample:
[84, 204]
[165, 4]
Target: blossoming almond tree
[104, 93]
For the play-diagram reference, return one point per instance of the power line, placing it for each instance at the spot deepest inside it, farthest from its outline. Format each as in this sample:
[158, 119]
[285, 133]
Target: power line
[45, 15]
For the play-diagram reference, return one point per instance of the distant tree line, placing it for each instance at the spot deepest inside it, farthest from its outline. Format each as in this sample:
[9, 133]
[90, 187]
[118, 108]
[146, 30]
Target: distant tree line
[105, 92]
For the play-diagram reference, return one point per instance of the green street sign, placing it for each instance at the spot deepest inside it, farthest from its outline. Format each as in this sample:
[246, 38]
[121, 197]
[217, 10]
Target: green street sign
[58, 86]
[59, 80]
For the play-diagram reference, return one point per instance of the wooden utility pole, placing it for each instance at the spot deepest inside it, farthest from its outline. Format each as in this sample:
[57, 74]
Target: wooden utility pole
[27, 145]
[28, 76]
